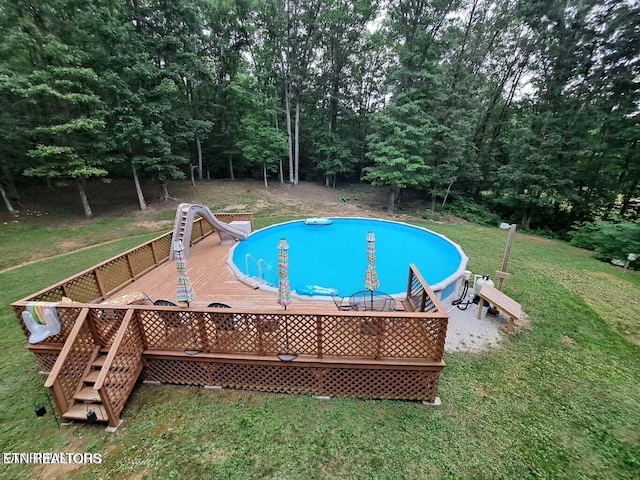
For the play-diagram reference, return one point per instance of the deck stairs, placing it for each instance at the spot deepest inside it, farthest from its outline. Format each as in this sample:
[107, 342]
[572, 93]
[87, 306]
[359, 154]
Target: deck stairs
[86, 398]
[92, 379]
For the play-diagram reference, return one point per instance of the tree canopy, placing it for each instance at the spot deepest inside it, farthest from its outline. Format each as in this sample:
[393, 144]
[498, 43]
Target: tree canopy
[530, 107]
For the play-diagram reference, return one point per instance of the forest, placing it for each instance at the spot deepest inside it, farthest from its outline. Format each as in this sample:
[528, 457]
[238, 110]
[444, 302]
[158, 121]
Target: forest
[527, 108]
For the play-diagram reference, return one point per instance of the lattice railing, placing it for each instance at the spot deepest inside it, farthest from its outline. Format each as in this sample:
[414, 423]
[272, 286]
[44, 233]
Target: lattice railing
[102, 280]
[339, 339]
[419, 295]
[121, 368]
[340, 334]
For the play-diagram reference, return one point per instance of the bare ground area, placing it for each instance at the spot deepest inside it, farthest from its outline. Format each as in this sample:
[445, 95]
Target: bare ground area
[117, 198]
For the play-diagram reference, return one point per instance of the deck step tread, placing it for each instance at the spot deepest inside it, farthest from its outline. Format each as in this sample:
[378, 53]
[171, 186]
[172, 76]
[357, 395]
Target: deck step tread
[87, 394]
[79, 412]
[92, 377]
[98, 362]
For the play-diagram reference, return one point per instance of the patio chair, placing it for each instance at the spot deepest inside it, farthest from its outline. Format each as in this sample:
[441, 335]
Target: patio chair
[171, 319]
[342, 303]
[223, 322]
[164, 303]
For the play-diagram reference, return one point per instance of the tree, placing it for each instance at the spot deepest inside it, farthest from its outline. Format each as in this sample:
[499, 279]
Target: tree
[398, 146]
[69, 144]
[261, 143]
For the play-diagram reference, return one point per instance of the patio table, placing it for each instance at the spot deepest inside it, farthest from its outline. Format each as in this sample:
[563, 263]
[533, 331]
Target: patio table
[375, 301]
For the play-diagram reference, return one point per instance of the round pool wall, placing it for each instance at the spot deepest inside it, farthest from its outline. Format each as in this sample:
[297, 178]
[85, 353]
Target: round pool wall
[333, 257]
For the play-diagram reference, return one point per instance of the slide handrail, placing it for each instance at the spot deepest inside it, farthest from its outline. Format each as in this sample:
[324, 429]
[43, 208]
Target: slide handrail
[186, 213]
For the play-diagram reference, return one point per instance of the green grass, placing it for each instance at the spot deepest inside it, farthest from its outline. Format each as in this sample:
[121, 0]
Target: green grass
[24, 241]
[561, 400]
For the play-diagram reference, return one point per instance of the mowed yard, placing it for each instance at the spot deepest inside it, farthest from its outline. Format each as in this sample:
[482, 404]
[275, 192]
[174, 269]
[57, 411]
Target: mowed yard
[559, 399]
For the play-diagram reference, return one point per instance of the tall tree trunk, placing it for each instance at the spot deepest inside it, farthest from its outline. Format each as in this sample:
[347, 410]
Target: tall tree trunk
[199, 147]
[628, 195]
[231, 167]
[392, 200]
[136, 181]
[83, 196]
[446, 195]
[11, 190]
[297, 145]
[264, 175]
[334, 181]
[280, 165]
[7, 201]
[465, 40]
[287, 102]
[165, 192]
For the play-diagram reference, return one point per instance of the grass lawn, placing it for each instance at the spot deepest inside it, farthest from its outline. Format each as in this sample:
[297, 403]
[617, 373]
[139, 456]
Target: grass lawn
[561, 400]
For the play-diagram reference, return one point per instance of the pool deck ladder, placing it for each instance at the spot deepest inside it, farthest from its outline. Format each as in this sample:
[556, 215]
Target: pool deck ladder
[262, 266]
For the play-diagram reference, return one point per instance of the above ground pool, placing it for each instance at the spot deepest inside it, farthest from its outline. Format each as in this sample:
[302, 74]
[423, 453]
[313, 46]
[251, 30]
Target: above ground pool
[330, 255]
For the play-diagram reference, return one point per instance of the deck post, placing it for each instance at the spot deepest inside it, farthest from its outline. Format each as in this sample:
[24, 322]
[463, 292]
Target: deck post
[99, 283]
[202, 330]
[380, 327]
[154, 254]
[112, 418]
[92, 327]
[319, 319]
[58, 398]
[128, 258]
[259, 329]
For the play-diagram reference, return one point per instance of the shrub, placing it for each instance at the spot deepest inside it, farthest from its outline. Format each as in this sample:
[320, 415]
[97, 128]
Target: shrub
[610, 240]
[474, 212]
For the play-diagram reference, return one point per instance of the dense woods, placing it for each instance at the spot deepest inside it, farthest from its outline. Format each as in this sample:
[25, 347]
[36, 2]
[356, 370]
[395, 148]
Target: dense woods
[529, 107]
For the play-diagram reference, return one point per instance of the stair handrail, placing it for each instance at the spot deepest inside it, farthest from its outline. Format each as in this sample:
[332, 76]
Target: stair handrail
[113, 350]
[246, 265]
[66, 348]
[269, 269]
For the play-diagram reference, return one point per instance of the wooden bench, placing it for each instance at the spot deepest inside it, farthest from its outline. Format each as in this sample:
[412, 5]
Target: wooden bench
[502, 302]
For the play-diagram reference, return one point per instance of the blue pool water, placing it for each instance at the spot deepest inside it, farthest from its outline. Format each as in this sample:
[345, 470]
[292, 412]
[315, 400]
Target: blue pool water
[334, 257]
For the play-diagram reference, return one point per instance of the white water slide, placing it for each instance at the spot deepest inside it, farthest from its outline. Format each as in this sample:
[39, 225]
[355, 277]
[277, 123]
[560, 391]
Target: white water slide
[185, 215]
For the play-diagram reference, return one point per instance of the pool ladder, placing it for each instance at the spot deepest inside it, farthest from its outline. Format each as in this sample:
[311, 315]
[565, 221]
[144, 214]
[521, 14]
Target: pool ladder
[262, 266]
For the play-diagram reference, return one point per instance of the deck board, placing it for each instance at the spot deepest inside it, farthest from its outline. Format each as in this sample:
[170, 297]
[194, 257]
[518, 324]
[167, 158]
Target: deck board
[213, 281]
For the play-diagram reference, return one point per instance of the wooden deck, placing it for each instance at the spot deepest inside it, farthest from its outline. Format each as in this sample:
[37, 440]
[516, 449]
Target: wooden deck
[213, 281]
[393, 355]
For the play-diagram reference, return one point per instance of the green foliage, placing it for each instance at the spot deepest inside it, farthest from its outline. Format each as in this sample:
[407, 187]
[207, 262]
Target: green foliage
[398, 146]
[69, 129]
[473, 212]
[611, 240]
[260, 142]
[533, 102]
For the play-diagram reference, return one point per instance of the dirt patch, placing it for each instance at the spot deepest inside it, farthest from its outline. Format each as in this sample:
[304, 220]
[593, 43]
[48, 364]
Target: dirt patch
[60, 470]
[70, 245]
[153, 226]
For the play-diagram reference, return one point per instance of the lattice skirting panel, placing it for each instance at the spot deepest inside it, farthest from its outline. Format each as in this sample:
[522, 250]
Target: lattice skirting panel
[379, 382]
[46, 360]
